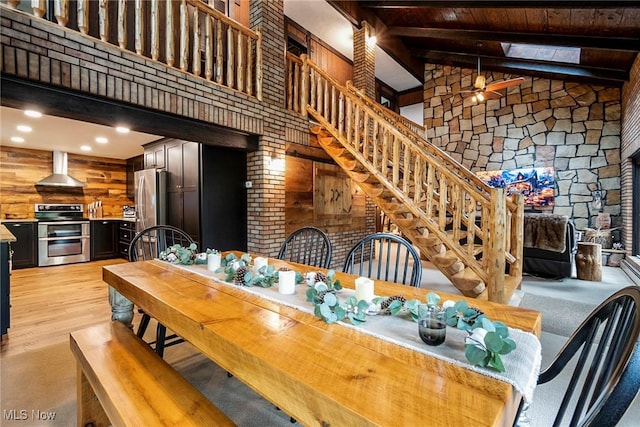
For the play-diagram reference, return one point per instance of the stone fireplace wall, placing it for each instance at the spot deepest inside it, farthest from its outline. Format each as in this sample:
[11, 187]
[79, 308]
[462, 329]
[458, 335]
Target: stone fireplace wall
[573, 127]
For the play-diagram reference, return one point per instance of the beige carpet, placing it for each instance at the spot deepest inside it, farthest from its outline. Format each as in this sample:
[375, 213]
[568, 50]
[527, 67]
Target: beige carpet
[559, 316]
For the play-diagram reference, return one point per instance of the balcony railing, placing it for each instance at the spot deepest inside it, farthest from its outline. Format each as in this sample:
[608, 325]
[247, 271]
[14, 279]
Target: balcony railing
[185, 34]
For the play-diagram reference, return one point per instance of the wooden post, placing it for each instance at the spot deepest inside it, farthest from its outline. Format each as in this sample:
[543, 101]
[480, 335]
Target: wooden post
[219, 52]
[589, 261]
[39, 7]
[170, 35]
[13, 3]
[208, 47]
[259, 64]
[496, 283]
[304, 85]
[231, 57]
[122, 24]
[139, 25]
[196, 42]
[61, 11]
[184, 36]
[104, 20]
[83, 16]
[155, 29]
[517, 236]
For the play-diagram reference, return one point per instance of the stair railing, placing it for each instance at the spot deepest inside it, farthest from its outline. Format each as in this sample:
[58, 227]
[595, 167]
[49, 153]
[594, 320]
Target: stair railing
[185, 34]
[446, 204]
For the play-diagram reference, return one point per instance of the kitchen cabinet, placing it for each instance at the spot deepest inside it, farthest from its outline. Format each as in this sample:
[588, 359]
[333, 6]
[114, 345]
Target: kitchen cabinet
[5, 285]
[206, 194]
[126, 231]
[25, 248]
[183, 186]
[154, 155]
[134, 164]
[104, 239]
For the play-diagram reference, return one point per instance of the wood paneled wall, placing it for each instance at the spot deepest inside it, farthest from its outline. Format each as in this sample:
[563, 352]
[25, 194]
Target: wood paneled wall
[20, 169]
[300, 210]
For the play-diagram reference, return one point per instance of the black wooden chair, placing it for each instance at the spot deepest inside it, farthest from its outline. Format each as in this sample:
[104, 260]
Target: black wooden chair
[147, 244]
[386, 257]
[606, 376]
[307, 245]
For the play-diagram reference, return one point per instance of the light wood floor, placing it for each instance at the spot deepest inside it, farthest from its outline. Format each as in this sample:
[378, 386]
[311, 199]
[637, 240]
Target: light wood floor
[47, 303]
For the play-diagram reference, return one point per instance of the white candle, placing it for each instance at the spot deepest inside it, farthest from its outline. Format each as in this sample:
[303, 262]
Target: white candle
[364, 289]
[213, 261]
[260, 262]
[287, 282]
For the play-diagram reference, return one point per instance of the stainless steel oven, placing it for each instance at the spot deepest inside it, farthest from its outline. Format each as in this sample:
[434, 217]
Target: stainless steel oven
[63, 235]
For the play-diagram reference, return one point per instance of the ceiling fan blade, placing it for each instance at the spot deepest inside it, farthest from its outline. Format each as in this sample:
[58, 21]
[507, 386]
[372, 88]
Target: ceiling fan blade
[490, 94]
[505, 83]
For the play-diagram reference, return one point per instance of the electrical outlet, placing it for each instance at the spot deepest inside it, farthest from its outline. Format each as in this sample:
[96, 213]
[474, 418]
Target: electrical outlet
[248, 184]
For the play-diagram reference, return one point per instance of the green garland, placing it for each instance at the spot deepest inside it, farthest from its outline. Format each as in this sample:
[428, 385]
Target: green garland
[485, 345]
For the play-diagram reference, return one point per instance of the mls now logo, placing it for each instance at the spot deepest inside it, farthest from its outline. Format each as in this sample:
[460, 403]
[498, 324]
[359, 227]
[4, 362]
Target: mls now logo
[23, 414]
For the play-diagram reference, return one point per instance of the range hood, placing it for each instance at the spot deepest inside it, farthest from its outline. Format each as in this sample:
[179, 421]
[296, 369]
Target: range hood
[59, 177]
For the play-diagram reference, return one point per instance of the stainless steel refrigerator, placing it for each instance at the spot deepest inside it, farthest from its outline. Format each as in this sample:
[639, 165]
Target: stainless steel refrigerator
[150, 198]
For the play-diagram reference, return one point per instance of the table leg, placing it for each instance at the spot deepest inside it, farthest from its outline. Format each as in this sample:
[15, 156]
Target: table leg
[121, 308]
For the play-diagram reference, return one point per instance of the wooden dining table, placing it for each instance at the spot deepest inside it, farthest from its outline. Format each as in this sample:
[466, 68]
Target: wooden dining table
[319, 373]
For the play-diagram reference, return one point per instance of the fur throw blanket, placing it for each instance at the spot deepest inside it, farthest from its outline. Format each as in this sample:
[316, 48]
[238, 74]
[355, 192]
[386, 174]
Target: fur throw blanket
[545, 231]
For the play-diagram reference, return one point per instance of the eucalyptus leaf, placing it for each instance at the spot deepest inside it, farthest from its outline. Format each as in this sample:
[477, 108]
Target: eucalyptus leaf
[339, 312]
[325, 310]
[508, 345]
[363, 306]
[501, 329]
[330, 299]
[488, 325]
[475, 355]
[352, 301]
[496, 363]
[433, 298]
[311, 295]
[395, 307]
[493, 342]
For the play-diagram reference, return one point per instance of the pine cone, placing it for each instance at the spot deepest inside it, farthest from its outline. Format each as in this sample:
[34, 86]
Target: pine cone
[238, 277]
[321, 294]
[320, 277]
[386, 303]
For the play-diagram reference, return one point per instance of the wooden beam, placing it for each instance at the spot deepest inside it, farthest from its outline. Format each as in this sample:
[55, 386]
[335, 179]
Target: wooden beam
[607, 77]
[56, 101]
[391, 44]
[481, 4]
[583, 41]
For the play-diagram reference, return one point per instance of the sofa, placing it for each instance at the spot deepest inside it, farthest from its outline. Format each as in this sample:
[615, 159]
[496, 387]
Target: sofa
[549, 245]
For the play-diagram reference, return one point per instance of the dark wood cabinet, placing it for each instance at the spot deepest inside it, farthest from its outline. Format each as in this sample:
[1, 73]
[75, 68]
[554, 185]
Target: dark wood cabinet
[133, 164]
[206, 195]
[25, 248]
[126, 231]
[183, 186]
[154, 155]
[104, 239]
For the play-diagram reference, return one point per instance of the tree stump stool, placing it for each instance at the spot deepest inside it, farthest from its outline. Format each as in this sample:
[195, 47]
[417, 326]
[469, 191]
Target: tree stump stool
[589, 261]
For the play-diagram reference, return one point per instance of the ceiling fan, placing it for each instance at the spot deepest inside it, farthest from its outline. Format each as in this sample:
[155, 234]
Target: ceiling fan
[481, 90]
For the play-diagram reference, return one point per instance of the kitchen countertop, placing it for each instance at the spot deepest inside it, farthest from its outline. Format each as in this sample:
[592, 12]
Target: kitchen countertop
[20, 220]
[5, 235]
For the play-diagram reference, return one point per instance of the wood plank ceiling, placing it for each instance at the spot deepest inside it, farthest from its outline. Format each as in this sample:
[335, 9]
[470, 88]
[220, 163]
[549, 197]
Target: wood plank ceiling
[458, 32]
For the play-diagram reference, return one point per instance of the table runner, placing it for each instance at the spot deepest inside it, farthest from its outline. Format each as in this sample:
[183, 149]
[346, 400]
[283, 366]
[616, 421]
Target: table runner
[522, 365]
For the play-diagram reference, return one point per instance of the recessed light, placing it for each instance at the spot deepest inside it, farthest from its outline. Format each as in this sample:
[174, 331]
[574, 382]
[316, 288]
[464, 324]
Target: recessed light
[18, 139]
[101, 140]
[24, 128]
[122, 129]
[85, 148]
[33, 113]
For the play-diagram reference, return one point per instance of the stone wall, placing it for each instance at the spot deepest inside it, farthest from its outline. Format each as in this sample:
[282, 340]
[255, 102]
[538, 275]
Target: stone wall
[571, 126]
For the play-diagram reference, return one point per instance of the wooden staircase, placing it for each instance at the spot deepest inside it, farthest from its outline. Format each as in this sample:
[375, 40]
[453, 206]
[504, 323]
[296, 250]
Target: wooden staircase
[468, 230]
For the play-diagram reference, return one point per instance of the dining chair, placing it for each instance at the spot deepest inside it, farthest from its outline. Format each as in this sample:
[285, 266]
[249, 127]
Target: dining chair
[605, 378]
[147, 244]
[307, 245]
[385, 256]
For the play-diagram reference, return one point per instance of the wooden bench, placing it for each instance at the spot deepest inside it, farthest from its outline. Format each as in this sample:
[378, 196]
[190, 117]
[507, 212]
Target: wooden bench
[133, 386]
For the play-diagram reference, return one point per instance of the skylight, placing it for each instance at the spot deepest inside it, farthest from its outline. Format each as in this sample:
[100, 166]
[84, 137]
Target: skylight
[569, 55]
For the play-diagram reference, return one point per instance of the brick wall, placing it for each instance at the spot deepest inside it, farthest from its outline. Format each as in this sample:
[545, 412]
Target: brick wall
[571, 126]
[629, 145]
